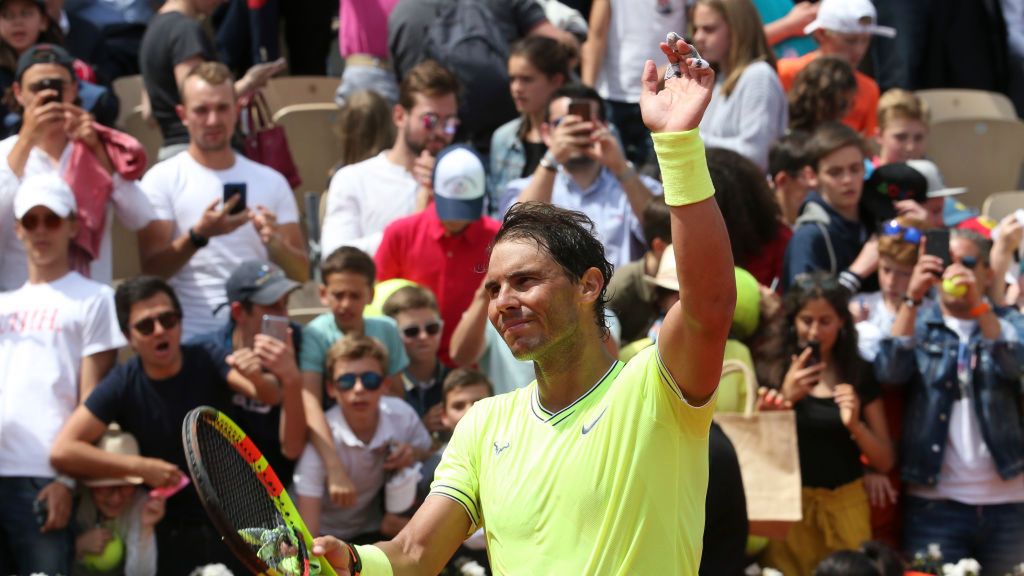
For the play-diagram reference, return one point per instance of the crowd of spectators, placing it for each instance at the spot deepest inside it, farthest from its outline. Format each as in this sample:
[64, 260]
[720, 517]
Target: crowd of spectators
[883, 313]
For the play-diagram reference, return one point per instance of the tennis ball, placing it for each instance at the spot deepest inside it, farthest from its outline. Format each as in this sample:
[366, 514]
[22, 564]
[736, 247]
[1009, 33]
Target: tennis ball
[949, 286]
[109, 559]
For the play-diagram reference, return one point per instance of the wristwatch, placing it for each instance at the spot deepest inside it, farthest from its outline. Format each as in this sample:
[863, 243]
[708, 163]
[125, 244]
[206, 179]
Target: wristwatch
[197, 240]
[548, 162]
[626, 174]
[909, 301]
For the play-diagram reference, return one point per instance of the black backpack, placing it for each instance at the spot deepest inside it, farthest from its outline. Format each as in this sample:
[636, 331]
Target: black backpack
[464, 39]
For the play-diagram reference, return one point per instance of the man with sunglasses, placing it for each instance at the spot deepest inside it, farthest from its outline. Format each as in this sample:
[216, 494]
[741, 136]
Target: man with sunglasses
[58, 338]
[444, 247]
[52, 123]
[961, 359]
[365, 197]
[149, 397]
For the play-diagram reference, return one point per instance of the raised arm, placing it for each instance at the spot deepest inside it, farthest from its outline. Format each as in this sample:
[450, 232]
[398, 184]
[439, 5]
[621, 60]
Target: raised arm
[469, 340]
[692, 338]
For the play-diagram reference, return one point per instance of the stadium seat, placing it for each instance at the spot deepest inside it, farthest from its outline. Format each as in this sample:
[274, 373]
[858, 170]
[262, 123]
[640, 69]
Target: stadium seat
[146, 132]
[314, 142]
[955, 104]
[984, 155]
[129, 94]
[999, 205]
[290, 90]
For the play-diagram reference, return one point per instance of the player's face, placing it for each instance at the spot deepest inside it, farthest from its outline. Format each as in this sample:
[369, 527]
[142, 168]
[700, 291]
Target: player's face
[45, 235]
[160, 349]
[346, 294]
[358, 400]
[840, 178]
[427, 126]
[112, 501]
[459, 401]
[533, 303]
[818, 322]
[209, 112]
[902, 139]
[422, 346]
[711, 34]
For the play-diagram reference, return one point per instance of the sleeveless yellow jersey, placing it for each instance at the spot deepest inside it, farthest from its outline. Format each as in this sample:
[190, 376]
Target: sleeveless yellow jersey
[612, 484]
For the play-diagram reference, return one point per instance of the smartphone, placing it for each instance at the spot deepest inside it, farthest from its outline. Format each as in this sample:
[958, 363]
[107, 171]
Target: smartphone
[815, 358]
[275, 327]
[41, 510]
[581, 107]
[937, 244]
[52, 84]
[168, 491]
[232, 189]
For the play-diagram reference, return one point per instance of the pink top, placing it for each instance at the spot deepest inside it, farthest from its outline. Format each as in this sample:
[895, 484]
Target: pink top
[364, 27]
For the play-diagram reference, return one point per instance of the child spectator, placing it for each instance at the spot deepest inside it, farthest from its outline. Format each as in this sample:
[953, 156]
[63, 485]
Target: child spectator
[117, 512]
[748, 110]
[347, 277]
[843, 28]
[902, 132]
[373, 434]
[630, 293]
[788, 173]
[414, 309]
[822, 92]
[829, 234]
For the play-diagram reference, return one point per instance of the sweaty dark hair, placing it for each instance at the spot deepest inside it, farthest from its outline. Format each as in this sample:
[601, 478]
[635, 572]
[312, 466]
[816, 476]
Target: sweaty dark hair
[568, 237]
[136, 290]
[349, 259]
[657, 221]
[547, 55]
[748, 207]
[576, 91]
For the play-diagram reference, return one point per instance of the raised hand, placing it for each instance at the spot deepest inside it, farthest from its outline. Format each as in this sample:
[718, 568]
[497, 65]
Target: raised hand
[849, 405]
[680, 105]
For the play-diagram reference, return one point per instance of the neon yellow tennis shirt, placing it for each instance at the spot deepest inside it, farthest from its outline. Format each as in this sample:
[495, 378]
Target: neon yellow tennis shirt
[611, 484]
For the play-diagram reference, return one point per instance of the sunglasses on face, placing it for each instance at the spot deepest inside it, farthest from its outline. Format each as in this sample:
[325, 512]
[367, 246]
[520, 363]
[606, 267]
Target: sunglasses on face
[414, 330]
[969, 262]
[49, 221]
[910, 234]
[807, 281]
[431, 121]
[371, 380]
[168, 320]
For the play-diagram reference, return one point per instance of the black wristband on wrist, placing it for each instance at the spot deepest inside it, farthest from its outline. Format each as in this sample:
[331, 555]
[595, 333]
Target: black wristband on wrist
[357, 562]
[197, 240]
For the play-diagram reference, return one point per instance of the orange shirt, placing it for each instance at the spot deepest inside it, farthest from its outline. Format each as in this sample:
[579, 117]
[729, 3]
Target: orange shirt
[862, 117]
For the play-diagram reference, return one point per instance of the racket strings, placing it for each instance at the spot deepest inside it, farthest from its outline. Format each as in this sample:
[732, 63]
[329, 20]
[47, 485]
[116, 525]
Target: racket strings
[245, 502]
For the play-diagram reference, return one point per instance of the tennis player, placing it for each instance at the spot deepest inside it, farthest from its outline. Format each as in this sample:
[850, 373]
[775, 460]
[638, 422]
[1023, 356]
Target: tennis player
[597, 467]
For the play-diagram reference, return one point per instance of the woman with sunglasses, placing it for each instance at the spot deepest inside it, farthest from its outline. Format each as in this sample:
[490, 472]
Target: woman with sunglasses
[374, 436]
[839, 418]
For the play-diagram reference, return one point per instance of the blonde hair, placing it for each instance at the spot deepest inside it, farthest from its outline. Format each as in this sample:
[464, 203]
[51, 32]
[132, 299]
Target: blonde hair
[356, 348]
[747, 42]
[364, 127]
[899, 103]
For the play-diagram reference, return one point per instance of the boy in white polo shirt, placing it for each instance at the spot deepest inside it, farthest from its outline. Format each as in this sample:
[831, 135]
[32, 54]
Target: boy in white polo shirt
[58, 337]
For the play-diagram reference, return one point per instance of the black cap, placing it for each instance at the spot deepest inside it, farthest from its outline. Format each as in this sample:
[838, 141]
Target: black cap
[889, 184]
[44, 54]
[258, 282]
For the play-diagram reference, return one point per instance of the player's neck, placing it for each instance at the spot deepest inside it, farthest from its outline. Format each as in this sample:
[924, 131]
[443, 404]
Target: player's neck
[565, 375]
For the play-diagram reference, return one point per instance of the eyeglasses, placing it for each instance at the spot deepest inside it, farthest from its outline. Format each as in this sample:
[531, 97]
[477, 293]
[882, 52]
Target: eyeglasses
[371, 380]
[414, 330]
[911, 235]
[431, 121]
[168, 320]
[49, 221]
[807, 281]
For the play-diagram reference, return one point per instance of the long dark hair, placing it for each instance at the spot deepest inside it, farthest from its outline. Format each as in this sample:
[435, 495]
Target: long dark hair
[824, 286]
[752, 216]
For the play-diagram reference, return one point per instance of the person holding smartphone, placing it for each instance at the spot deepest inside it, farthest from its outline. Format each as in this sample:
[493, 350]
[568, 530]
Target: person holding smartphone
[585, 169]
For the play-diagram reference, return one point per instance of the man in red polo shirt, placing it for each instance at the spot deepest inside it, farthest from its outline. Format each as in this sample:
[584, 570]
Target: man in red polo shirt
[843, 28]
[444, 247]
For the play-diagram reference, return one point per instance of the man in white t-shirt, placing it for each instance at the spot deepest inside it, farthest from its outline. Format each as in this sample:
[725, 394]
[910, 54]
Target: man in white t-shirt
[365, 197]
[43, 146]
[962, 457]
[203, 240]
[58, 337]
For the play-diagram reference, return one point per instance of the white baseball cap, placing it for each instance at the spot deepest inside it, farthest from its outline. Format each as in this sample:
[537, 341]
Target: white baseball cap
[936, 187]
[47, 190]
[459, 184]
[116, 441]
[848, 17]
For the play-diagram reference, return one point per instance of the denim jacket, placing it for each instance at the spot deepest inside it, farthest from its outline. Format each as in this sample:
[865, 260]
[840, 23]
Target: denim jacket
[508, 157]
[928, 363]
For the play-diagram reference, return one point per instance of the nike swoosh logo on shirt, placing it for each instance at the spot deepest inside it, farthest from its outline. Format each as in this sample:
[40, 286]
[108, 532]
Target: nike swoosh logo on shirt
[587, 429]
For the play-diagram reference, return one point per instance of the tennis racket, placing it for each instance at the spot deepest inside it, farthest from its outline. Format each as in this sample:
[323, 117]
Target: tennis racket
[245, 499]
